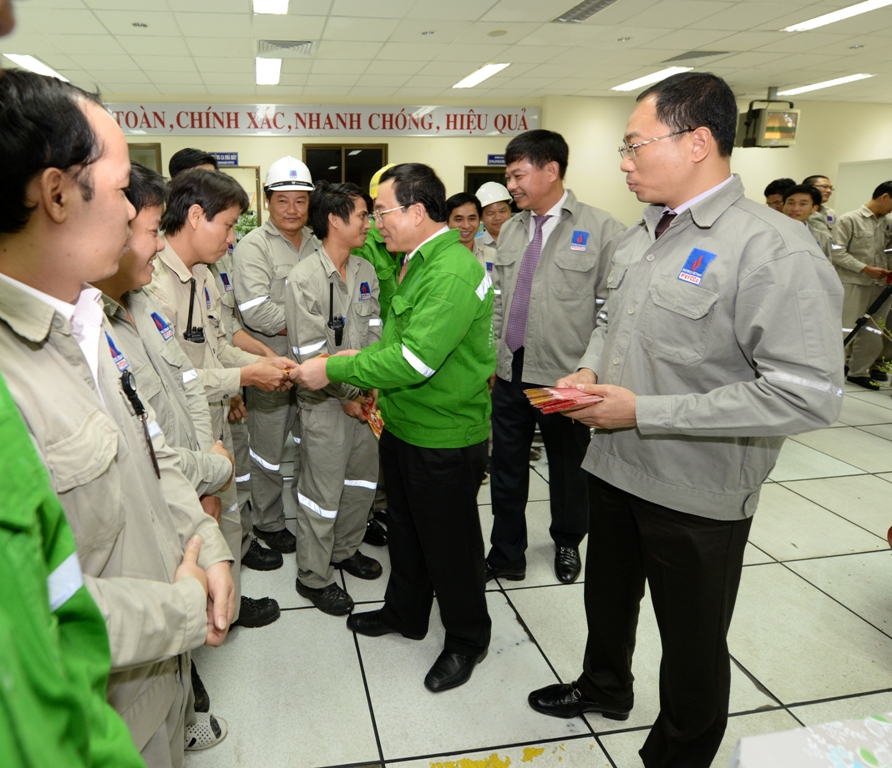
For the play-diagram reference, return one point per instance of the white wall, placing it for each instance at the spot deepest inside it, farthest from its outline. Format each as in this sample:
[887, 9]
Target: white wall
[830, 134]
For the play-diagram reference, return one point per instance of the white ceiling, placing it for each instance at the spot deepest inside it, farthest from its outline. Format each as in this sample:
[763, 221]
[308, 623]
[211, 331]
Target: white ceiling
[368, 51]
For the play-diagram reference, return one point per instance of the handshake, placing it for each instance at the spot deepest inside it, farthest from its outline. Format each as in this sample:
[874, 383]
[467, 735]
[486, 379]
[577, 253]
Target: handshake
[311, 374]
[268, 374]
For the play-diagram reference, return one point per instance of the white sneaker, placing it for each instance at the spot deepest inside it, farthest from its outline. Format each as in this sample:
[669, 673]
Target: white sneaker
[207, 731]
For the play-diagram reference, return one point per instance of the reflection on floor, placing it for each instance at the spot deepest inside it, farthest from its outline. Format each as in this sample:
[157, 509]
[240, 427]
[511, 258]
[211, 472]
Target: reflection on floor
[811, 639]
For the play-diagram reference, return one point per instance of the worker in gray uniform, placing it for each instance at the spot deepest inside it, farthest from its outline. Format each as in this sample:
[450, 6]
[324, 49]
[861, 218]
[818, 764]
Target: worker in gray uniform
[331, 303]
[823, 219]
[261, 263]
[463, 212]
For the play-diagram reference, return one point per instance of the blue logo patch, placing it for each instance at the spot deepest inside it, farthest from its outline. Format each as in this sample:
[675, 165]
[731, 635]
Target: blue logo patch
[695, 266]
[226, 284]
[365, 293]
[579, 241]
[207, 297]
[489, 266]
[116, 354]
[163, 328]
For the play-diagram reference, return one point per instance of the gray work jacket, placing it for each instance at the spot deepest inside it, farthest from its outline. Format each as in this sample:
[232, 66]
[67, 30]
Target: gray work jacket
[567, 291]
[727, 330]
[860, 238]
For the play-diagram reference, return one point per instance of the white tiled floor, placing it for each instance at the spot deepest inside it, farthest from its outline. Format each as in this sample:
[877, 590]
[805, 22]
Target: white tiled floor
[811, 639]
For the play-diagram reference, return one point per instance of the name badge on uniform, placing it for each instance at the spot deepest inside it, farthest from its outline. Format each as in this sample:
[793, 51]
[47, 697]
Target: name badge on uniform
[163, 328]
[226, 284]
[489, 266]
[695, 266]
[116, 354]
[207, 297]
[579, 241]
[365, 293]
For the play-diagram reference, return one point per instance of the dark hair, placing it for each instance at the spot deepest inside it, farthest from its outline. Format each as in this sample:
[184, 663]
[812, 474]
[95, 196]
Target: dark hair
[804, 189]
[810, 180]
[42, 125]
[212, 190]
[189, 158]
[336, 199]
[884, 189]
[690, 100]
[416, 183]
[779, 186]
[462, 198]
[540, 147]
[146, 189]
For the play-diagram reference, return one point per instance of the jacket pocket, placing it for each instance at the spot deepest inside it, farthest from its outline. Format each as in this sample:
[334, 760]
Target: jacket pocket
[85, 455]
[676, 322]
[576, 276]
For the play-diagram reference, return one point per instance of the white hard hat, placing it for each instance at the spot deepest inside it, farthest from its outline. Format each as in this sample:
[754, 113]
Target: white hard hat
[288, 173]
[492, 192]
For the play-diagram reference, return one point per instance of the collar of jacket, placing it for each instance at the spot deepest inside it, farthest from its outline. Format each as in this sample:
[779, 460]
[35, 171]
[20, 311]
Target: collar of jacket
[571, 205]
[112, 308]
[706, 212]
[433, 247]
[272, 230]
[28, 316]
[172, 261]
[328, 265]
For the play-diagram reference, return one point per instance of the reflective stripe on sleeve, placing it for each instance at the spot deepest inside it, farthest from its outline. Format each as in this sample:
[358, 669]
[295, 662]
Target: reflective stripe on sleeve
[296, 440]
[189, 376]
[63, 582]
[252, 303]
[791, 379]
[375, 321]
[497, 291]
[243, 478]
[361, 484]
[262, 463]
[484, 286]
[309, 349]
[328, 513]
[154, 430]
[413, 360]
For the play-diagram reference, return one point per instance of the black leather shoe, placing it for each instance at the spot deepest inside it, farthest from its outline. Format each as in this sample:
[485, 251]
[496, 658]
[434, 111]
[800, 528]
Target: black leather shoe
[381, 515]
[567, 564]
[566, 700]
[515, 572]
[375, 534]
[202, 699]
[451, 670]
[257, 613]
[360, 566]
[331, 599]
[259, 558]
[863, 381]
[370, 624]
[281, 541]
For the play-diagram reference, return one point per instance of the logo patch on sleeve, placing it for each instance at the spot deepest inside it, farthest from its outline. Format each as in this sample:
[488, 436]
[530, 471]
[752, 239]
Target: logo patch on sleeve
[365, 293]
[489, 266]
[116, 354]
[579, 241]
[207, 297]
[163, 328]
[695, 266]
[226, 284]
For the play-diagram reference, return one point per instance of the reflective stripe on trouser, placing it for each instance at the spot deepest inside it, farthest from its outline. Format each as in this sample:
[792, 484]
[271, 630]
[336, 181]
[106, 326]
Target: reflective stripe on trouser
[866, 347]
[339, 472]
[272, 419]
[243, 466]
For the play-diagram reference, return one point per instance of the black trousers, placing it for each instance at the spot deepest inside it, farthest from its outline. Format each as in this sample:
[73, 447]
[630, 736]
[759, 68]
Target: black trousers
[435, 541]
[513, 424]
[692, 565]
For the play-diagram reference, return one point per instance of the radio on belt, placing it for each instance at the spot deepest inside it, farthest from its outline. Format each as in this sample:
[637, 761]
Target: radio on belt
[195, 334]
[335, 323]
[128, 384]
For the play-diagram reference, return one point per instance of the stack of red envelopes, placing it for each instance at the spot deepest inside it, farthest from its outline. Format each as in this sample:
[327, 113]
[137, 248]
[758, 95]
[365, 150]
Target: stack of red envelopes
[558, 399]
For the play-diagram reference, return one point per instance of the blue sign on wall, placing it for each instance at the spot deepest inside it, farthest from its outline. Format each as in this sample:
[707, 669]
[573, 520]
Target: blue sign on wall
[495, 159]
[226, 158]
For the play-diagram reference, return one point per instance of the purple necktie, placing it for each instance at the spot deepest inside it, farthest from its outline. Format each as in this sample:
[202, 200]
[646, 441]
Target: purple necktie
[663, 223]
[520, 304]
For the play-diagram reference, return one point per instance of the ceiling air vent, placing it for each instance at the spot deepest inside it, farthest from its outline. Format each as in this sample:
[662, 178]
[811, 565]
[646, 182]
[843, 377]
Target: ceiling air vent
[695, 55]
[585, 10]
[285, 49]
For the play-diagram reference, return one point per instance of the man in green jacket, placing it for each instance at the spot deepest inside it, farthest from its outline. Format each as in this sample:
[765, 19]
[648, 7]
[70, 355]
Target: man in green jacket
[431, 366]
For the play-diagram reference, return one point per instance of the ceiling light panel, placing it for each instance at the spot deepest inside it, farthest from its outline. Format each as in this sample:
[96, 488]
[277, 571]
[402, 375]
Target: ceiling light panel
[268, 71]
[824, 84]
[840, 15]
[34, 65]
[277, 7]
[650, 79]
[475, 78]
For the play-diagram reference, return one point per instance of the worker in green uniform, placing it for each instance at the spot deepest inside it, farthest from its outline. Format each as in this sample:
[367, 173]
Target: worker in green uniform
[431, 367]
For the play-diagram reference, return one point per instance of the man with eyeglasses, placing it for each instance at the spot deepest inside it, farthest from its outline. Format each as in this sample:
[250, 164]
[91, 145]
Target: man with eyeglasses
[432, 368]
[549, 277]
[825, 216]
[721, 339]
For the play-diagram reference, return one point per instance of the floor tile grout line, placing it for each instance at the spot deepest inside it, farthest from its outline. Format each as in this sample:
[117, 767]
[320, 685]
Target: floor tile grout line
[368, 695]
[830, 456]
[755, 680]
[843, 697]
[828, 557]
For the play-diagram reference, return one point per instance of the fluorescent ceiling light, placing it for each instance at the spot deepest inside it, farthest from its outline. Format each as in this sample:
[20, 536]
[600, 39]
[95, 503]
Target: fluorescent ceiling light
[842, 13]
[650, 79]
[268, 71]
[35, 65]
[279, 7]
[825, 84]
[475, 78]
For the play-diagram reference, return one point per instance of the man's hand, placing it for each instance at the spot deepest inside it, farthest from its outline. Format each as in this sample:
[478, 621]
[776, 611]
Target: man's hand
[237, 409]
[354, 409]
[190, 567]
[877, 273]
[219, 449]
[310, 374]
[371, 397]
[615, 411]
[212, 506]
[582, 376]
[267, 375]
[221, 602]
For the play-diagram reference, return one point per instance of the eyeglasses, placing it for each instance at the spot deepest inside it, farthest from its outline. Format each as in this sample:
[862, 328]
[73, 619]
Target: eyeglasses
[628, 150]
[378, 216]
